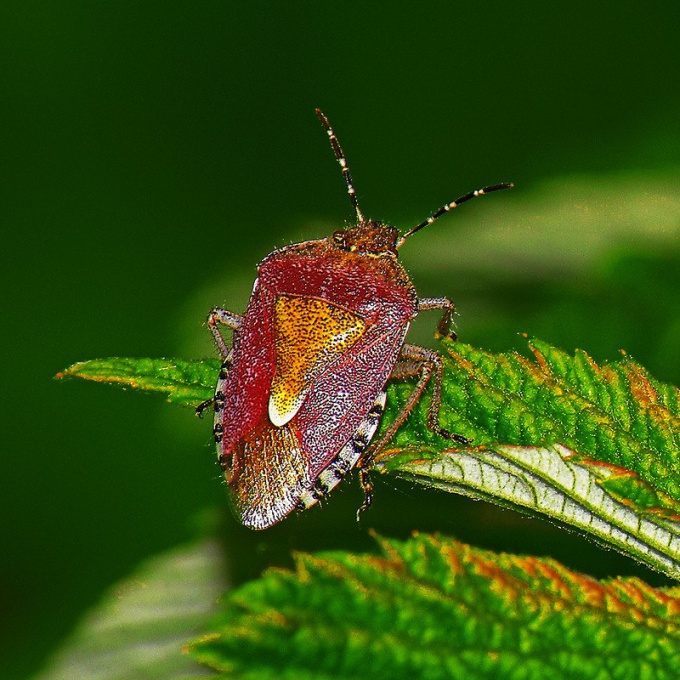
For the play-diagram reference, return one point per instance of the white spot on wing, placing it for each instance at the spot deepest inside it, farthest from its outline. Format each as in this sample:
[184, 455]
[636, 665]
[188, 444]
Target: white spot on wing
[279, 417]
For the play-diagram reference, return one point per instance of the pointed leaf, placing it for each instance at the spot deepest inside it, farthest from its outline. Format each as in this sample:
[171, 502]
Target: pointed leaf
[555, 482]
[187, 383]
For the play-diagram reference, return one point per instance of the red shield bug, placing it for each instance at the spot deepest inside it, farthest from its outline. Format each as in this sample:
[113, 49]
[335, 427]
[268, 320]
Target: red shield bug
[302, 388]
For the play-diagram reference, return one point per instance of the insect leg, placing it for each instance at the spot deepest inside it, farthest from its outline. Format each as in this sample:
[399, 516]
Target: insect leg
[413, 361]
[226, 318]
[216, 401]
[367, 488]
[444, 329]
[424, 363]
[432, 365]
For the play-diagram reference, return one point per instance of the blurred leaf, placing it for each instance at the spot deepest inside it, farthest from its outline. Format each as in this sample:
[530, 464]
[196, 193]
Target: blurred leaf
[592, 447]
[578, 260]
[139, 628]
[557, 227]
[432, 607]
[628, 299]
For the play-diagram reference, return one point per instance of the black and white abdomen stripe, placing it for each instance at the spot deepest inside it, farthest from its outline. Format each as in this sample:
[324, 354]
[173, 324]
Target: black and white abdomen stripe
[348, 457]
[218, 406]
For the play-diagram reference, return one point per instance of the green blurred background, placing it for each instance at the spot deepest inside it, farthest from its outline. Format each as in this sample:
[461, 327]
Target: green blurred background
[153, 152]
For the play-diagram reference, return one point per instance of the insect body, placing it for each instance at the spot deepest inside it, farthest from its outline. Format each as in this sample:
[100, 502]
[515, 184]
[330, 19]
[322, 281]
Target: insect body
[301, 391]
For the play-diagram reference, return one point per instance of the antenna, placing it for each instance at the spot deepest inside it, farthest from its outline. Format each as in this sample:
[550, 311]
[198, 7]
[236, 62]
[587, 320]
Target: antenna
[340, 157]
[451, 206]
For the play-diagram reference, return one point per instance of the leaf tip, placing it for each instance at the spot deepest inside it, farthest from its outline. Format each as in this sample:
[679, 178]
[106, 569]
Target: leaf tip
[66, 373]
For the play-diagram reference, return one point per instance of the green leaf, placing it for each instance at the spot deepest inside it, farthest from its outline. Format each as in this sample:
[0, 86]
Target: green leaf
[552, 481]
[434, 608]
[138, 630]
[593, 447]
[187, 383]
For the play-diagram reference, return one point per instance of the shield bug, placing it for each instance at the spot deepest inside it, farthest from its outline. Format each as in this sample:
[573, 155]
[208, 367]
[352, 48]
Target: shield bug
[302, 388]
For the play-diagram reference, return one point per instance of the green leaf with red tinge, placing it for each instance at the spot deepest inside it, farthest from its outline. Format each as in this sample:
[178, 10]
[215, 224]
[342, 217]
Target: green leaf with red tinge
[594, 447]
[432, 607]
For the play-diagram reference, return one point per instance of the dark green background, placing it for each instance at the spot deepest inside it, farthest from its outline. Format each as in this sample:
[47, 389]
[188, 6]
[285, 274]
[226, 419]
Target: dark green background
[153, 152]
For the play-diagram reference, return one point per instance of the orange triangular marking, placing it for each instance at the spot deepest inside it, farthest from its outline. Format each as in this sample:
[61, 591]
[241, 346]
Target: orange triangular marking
[309, 334]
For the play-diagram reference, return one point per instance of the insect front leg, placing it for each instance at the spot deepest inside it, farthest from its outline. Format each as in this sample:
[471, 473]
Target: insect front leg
[444, 329]
[233, 321]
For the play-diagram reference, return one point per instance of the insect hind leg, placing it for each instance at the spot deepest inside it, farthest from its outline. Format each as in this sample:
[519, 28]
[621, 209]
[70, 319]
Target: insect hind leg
[216, 402]
[424, 363]
[367, 488]
[413, 361]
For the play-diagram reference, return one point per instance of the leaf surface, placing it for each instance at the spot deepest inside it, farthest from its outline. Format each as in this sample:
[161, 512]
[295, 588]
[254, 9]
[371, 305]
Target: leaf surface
[184, 382]
[433, 608]
[592, 447]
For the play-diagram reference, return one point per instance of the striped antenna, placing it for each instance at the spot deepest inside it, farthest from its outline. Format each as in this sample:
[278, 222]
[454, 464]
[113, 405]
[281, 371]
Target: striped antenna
[340, 157]
[451, 206]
